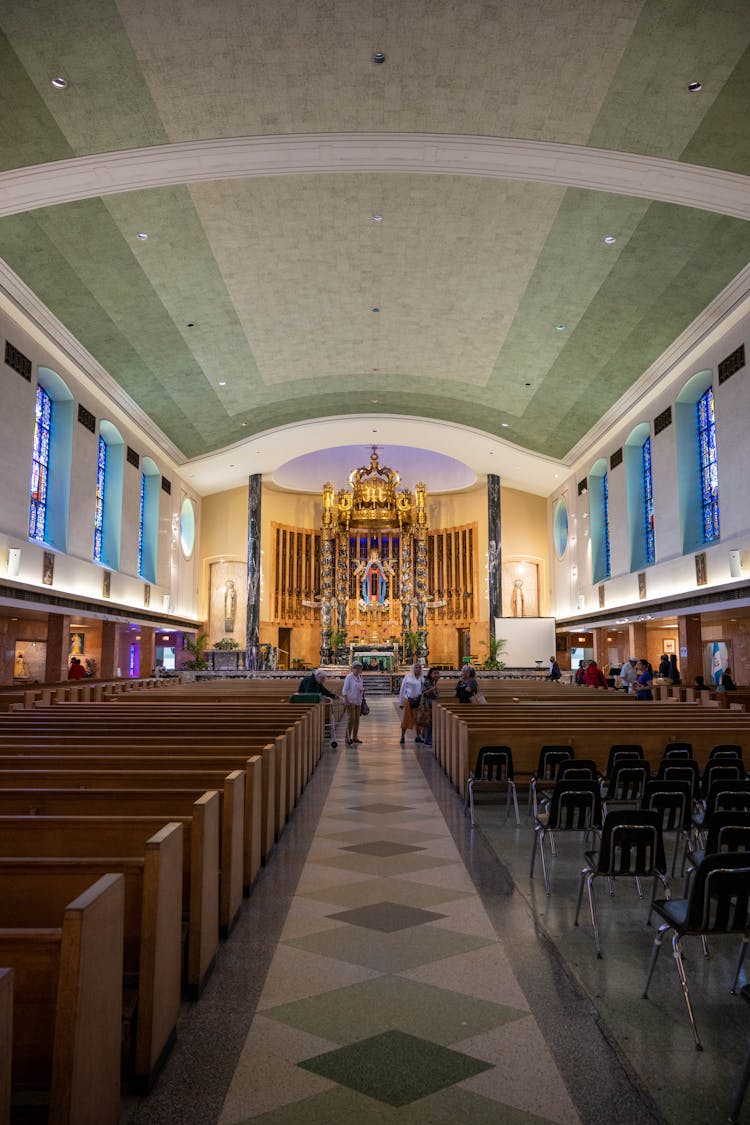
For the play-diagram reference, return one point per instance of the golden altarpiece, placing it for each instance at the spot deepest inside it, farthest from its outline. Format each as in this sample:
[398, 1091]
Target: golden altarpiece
[374, 565]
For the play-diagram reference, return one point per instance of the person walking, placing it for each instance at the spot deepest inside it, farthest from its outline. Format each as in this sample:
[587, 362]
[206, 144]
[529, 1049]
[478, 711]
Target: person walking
[353, 693]
[424, 715]
[554, 669]
[644, 681]
[409, 698]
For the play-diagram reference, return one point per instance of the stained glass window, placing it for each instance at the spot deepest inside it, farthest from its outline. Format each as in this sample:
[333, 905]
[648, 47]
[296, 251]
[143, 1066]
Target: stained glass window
[605, 518]
[648, 502]
[101, 473]
[40, 465]
[141, 517]
[709, 470]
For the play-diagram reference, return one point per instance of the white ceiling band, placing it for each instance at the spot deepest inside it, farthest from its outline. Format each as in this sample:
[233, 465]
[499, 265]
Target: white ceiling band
[647, 177]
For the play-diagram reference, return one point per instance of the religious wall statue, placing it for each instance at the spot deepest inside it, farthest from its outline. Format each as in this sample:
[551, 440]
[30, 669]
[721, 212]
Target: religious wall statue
[517, 598]
[230, 606]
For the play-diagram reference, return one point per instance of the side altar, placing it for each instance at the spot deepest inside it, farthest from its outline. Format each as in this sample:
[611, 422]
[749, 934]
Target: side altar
[374, 658]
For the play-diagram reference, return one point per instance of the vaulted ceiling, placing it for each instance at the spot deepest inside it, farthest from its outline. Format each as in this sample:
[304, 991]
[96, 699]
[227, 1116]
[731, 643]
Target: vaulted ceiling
[255, 143]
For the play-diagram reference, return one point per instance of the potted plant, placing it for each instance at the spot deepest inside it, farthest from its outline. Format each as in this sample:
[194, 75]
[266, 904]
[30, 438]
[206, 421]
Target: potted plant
[411, 644]
[226, 644]
[496, 646]
[196, 647]
[338, 640]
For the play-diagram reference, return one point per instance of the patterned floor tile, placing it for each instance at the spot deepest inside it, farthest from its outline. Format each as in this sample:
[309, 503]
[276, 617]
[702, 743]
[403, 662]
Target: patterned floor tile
[387, 865]
[380, 807]
[388, 953]
[347, 1014]
[295, 974]
[394, 1067]
[366, 891]
[384, 849]
[484, 973]
[387, 917]
[400, 835]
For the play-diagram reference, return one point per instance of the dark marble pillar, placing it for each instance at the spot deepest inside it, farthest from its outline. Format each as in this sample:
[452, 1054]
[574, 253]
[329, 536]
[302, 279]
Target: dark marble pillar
[494, 552]
[255, 483]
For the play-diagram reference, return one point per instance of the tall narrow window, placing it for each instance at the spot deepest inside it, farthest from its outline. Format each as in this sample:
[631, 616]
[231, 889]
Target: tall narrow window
[40, 466]
[101, 475]
[709, 471]
[141, 514]
[605, 518]
[648, 502]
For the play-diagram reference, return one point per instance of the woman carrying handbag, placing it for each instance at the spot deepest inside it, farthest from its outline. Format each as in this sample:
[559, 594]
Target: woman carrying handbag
[409, 700]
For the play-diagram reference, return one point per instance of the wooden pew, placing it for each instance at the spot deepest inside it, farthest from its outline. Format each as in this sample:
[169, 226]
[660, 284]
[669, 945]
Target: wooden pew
[101, 836]
[67, 1003]
[33, 889]
[6, 1042]
[166, 803]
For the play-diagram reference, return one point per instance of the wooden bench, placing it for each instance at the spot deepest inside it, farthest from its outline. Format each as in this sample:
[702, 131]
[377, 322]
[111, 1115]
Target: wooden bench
[100, 836]
[67, 994]
[165, 803]
[33, 888]
[6, 1042]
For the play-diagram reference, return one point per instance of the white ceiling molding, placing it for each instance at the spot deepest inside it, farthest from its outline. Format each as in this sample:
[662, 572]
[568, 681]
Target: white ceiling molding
[648, 177]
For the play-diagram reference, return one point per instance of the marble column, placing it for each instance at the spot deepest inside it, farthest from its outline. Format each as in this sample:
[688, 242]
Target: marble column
[147, 657]
[58, 645]
[690, 637]
[494, 551]
[110, 650]
[252, 636]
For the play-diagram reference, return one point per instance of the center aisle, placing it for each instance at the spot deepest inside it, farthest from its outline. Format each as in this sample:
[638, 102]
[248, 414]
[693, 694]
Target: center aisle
[390, 996]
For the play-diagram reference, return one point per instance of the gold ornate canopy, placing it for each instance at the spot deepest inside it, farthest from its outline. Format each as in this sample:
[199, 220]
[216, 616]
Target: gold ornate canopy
[374, 501]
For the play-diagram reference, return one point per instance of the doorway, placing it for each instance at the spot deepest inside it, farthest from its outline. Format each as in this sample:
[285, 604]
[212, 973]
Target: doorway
[285, 648]
[464, 645]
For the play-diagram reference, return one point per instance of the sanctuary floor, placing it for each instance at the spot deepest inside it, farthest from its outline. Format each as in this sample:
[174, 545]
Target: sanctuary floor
[387, 968]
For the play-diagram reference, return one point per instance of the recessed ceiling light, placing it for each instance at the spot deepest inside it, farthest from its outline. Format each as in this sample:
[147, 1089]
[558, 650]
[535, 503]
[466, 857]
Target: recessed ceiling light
[59, 83]
[378, 57]
[694, 87]
[222, 382]
[610, 239]
[375, 309]
[142, 236]
[559, 328]
[377, 218]
[374, 431]
[528, 384]
[243, 424]
[190, 323]
[374, 400]
[504, 425]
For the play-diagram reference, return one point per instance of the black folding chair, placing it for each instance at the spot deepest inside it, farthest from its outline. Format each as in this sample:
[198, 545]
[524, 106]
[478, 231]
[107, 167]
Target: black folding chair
[550, 758]
[717, 904]
[576, 806]
[622, 750]
[627, 782]
[494, 768]
[631, 847]
[673, 800]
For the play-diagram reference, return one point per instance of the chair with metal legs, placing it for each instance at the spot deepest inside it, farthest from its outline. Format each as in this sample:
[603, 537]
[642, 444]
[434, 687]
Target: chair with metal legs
[550, 758]
[673, 800]
[494, 768]
[631, 847]
[576, 806]
[718, 904]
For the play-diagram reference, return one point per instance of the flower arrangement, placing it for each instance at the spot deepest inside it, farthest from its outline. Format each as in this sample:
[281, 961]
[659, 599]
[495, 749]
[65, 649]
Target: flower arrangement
[226, 644]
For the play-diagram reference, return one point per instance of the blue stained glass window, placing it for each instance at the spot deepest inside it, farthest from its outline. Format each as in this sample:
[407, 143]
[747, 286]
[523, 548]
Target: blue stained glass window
[605, 518]
[140, 524]
[40, 465]
[101, 473]
[709, 469]
[648, 502]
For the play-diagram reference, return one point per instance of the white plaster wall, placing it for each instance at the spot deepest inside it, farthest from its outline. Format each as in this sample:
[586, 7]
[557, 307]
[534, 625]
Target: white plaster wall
[673, 573]
[75, 571]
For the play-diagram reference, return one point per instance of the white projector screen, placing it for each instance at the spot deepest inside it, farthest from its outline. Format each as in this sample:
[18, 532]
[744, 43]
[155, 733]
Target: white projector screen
[527, 639]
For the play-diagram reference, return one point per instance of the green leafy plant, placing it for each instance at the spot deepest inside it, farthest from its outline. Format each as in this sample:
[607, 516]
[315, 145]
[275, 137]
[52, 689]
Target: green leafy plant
[226, 644]
[338, 639]
[197, 648]
[411, 643]
[496, 646]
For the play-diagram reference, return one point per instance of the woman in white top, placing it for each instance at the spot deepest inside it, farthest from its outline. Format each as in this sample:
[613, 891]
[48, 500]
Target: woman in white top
[408, 699]
[353, 693]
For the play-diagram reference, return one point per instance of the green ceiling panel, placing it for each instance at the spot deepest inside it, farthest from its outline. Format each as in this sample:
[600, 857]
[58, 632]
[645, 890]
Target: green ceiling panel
[723, 138]
[28, 133]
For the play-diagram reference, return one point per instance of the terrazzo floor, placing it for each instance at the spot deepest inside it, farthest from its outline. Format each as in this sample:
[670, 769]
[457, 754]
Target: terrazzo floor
[384, 969]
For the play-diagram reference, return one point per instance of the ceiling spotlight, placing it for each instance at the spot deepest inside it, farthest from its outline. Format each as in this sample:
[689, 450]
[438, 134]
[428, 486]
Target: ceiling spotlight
[375, 309]
[694, 87]
[190, 323]
[559, 328]
[142, 236]
[528, 384]
[378, 57]
[222, 382]
[374, 400]
[374, 431]
[243, 424]
[504, 425]
[610, 239]
[377, 218]
[59, 83]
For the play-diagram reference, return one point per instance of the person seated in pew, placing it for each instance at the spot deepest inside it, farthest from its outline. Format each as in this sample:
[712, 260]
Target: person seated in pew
[313, 684]
[76, 671]
[727, 683]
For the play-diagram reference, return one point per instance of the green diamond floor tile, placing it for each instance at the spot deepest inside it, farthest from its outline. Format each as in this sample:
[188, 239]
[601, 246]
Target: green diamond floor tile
[367, 891]
[388, 1002]
[385, 865]
[394, 1067]
[387, 917]
[388, 953]
[384, 849]
[380, 807]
